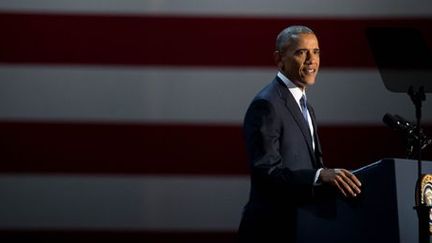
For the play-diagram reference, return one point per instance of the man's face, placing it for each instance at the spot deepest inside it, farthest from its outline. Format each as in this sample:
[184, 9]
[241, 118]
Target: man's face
[299, 60]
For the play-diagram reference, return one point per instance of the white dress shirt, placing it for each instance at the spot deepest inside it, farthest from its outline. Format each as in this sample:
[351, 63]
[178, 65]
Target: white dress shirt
[297, 94]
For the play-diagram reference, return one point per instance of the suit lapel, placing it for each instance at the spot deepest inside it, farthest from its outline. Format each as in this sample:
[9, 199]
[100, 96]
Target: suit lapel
[293, 108]
[318, 151]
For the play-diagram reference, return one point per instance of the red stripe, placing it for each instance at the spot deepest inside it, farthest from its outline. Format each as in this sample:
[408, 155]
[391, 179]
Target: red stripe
[56, 236]
[184, 41]
[169, 149]
[107, 148]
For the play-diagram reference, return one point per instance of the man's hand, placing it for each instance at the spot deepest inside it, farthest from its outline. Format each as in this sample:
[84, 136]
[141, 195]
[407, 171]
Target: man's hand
[345, 181]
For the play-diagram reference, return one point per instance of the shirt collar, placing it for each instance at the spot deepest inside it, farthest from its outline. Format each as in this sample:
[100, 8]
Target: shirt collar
[295, 91]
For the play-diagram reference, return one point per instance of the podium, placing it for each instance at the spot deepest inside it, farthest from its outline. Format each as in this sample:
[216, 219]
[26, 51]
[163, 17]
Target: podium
[383, 212]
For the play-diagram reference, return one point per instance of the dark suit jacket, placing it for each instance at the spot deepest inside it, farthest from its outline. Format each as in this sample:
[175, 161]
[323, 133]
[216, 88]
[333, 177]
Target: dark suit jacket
[282, 163]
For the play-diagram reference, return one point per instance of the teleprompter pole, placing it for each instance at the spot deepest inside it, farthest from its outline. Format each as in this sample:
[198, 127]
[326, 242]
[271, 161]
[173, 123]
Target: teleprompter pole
[423, 210]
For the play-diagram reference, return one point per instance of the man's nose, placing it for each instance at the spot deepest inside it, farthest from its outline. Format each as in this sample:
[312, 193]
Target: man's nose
[310, 58]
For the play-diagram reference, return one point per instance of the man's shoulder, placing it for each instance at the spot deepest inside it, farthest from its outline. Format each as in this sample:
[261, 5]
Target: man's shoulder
[269, 92]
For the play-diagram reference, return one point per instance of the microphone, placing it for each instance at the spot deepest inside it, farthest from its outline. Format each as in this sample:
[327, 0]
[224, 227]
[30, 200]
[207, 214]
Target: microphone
[398, 123]
[408, 130]
[405, 122]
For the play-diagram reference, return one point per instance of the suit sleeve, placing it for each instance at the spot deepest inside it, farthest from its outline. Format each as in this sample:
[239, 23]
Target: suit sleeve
[263, 127]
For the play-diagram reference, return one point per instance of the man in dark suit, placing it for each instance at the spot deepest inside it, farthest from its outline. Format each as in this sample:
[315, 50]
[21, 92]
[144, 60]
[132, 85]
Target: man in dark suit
[283, 144]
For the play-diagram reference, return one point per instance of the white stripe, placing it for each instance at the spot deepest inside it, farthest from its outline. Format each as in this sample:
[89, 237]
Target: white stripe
[184, 95]
[283, 8]
[122, 203]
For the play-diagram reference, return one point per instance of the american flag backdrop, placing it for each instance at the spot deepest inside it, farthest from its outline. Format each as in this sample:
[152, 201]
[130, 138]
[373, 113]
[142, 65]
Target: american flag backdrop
[121, 119]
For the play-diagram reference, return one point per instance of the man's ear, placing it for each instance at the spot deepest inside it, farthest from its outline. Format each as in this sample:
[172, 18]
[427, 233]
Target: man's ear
[277, 58]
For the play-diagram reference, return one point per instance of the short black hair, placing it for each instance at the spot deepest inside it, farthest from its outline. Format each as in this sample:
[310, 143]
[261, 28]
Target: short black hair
[289, 32]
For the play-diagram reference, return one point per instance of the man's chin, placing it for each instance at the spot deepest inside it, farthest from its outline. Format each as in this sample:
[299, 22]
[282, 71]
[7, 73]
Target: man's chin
[309, 82]
[304, 82]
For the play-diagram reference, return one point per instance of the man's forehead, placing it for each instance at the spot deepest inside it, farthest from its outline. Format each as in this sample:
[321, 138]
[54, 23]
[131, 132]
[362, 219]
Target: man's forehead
[302, 40]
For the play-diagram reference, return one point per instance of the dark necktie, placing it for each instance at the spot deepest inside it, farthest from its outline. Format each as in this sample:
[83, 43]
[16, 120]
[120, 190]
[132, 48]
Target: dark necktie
[304, 109]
